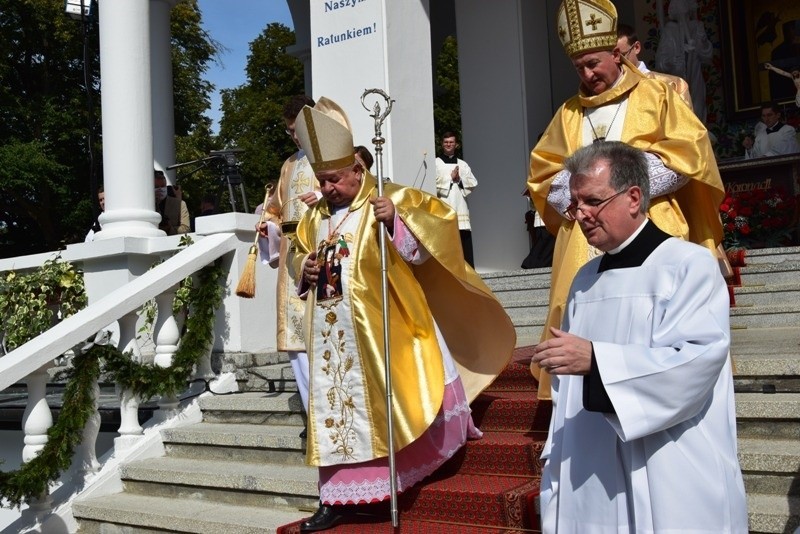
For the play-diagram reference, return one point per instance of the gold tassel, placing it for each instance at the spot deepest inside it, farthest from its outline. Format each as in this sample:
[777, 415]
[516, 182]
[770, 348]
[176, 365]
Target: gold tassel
[247, 282]
[246, 288]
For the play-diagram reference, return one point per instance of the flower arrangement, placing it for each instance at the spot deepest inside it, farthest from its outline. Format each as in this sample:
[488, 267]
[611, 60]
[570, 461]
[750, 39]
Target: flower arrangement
[758, 218]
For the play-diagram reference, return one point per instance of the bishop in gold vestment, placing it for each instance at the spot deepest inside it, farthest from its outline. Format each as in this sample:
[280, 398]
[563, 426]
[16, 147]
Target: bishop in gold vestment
[655, 121]
[448, 334]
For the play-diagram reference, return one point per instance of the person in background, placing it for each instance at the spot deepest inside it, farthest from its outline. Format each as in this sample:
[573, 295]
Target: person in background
[454, 182]
[296, 191]
[630, 47]
[643, 431]
[773, 137]
[101, 202]
[364, 156]
[174, 213]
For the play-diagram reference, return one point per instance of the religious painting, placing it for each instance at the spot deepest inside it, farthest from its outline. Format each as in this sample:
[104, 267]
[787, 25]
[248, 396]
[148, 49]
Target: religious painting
[757, 33]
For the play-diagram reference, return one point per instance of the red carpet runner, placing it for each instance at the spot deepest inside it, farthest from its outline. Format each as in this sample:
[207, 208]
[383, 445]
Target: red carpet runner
[490, 485]
[736, 257]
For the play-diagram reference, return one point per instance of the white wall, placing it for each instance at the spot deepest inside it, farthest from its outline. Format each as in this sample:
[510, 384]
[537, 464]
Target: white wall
[384, 45]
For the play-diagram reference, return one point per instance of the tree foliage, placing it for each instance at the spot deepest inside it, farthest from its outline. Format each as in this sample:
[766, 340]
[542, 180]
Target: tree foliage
[252, 113]
[45, 117]
[447, 98]
[44, 169]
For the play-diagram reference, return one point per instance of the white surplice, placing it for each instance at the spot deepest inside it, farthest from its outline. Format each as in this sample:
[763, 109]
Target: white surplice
[666, 462]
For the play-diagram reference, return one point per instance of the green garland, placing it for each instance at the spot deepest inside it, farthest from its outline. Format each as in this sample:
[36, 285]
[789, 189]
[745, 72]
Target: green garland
[146, 381]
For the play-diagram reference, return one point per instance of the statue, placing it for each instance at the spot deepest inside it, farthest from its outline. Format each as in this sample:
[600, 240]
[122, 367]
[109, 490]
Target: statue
[683, 49]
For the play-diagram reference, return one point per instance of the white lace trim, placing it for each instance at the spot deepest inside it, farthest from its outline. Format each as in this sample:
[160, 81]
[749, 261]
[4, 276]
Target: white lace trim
[663, 181]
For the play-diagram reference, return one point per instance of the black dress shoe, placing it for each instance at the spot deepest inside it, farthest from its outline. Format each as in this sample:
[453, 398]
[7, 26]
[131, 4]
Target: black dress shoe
[304, 433]
[324, 518]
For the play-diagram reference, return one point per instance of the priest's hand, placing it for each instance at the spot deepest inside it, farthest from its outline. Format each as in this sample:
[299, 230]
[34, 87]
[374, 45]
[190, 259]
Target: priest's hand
[563, 354]
[310, 199]
[262, 229]
[311, 269]
[384, 211]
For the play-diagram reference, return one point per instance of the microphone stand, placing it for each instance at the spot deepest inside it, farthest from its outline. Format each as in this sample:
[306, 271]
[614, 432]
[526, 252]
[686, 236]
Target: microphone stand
[378, 141]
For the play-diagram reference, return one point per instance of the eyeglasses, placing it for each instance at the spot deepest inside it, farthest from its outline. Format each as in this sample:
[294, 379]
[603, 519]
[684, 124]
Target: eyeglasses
[589, 207]
[625, 54]
[289, 132]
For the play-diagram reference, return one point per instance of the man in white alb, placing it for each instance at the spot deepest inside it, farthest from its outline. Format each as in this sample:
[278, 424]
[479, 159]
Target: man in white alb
[454, 182]
[643, 433]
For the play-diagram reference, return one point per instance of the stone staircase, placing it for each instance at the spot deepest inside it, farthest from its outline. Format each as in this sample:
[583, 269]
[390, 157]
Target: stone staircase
[242, 468]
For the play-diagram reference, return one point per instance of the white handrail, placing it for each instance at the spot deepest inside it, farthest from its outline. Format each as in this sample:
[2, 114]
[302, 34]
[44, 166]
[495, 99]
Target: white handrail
[29, 357]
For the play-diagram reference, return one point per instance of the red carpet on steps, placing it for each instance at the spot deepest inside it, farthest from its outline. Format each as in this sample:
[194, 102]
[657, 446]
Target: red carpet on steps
[490, 485]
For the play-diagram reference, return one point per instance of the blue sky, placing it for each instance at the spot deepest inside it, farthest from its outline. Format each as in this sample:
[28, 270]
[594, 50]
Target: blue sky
[234, 23]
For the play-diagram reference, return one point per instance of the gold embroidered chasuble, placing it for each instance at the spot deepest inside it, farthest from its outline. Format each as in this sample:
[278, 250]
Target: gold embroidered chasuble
[296, 178]
[657, 121]
[476, 329]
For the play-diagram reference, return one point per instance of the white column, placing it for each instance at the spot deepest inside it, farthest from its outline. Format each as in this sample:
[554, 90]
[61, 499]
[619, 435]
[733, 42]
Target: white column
[127, 120]
[302, 47]
[161, 86]
[503, 58]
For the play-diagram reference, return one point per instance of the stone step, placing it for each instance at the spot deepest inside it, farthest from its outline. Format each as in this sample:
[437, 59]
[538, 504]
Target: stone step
[787, 272]
[761, 415]
[528, 334]
[773, 513]
[517, 279]
[243, 360]
[523, 315]
[125, 512]
[766, 360]
[780, 315]
[255, 408]
[768, 295]
[772, 255]
[271, 378]
[239, 442]
[227, 482]
[530, 296]
[770, 465]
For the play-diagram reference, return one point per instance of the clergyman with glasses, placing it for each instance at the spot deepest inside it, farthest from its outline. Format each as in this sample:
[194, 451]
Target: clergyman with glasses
[630, 47]
[616, 102]
[643, 432]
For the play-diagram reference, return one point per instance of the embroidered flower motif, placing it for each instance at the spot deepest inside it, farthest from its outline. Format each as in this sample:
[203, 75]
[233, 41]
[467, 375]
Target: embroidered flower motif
[337, 364]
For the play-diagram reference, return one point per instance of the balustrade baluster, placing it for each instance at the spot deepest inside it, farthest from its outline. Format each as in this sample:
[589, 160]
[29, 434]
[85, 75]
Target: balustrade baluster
[167, 334]
[129, 430]
[36, 420]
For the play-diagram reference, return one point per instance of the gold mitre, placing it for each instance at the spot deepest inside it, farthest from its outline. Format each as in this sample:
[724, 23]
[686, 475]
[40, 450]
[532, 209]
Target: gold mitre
[587, 26]
[325, 136]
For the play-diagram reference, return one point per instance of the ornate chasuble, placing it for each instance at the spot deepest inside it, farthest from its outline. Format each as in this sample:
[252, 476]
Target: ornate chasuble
[344, 333]
[297, 178]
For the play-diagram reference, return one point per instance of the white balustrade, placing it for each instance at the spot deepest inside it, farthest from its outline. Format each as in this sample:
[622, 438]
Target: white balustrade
[167, 335]
[36, 421]
[129, 429]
